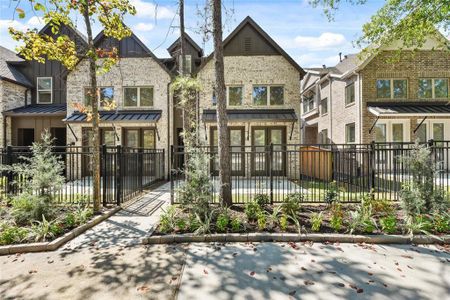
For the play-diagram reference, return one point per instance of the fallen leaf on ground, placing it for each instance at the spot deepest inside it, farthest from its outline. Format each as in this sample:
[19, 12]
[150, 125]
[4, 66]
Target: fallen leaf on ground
[143, 289]
[32, 271]
[269, 269]
[353, 286]
[292, 293]
[204, 271]
[340, 284]
[304, 269]
[370, 274]
[359, 291]
[252, 273]
[308, 282]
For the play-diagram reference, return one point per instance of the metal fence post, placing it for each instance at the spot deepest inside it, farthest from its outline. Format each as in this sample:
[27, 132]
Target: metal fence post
[119, 157]
[104, 173]
[271, 171]
[9, 175]
[372, 155]
[140, 156]
[170, 174]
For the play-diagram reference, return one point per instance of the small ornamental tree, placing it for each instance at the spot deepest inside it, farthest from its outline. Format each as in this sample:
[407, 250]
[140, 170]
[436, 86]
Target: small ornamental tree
[58, 46]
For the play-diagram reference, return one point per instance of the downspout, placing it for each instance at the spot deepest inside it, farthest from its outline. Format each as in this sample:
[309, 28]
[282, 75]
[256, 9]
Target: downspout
[331, 109]
[360, 103]
[168, 131]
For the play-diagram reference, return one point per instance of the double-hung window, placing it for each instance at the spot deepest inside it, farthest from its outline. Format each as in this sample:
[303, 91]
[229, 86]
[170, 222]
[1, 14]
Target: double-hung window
[350, 94]
[350, 132]
[433, 88]
[44, 90]
[324, 106]
[138, 96]
[268, 95]
[308, 103]
[392, 88]
[235, 95]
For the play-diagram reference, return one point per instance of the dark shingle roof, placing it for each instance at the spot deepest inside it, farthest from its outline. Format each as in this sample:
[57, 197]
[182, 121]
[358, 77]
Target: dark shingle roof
[209, 115]
[38, 110]
[10, 72]
[117, 116]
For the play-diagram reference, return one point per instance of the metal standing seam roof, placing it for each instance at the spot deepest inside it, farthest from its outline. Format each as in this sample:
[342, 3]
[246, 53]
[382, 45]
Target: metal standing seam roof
[209, 115]
[38, 110]
[386, 109]
[119, 116]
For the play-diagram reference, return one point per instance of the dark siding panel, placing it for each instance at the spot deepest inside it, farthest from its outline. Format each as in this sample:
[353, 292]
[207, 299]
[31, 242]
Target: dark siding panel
[249, 42]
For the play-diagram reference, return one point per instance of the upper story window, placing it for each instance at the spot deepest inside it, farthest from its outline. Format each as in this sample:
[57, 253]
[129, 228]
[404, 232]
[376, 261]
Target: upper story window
[433, 88]
[268, 95]
[214, 97]
[187, 64]
[308, 103]
[324, 106]
[106, 96]
[392, 88]
[138, 96]
[350, 94]
[350, 133]
[235, 95]
[44, 90]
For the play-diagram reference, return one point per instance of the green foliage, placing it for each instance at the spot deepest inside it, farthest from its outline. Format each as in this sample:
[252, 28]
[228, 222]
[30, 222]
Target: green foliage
[262, 200]
[389, 224]
[332, 193]
[291, 204]
[168, 218]
[204, 223]
[27, 208]
[441, 222]
[43, 230]
[337, 216]
[262, 220]
[283, 222]
[362, 219]
[181, 224]
[316, 221]
[419, 196]
[196, 192]
[236, 224]
[418, 224]
[252, 210]
[222, 222]
[11, 234]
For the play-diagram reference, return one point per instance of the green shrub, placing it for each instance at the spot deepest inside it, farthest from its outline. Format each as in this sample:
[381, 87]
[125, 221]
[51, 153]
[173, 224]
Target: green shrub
[70, 221]
[419, 224]
[251, 210]
[316, 221]
[82, 214]
[222, 222]
[291, 204]
[236, 224]
[441, 222]
[43, 230]
[332, 193]
[283, 222]
[262, 220]
[362, 220]
[27, 208]
[262, 200]
[193, 223]
[181, 224]
[168, 220]
[337, 216]
[389, 224]
[11, 234]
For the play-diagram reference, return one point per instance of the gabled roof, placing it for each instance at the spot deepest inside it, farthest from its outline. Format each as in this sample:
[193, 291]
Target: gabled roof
[189, 40]
[248, 21]
[74, 30]
[102, 35]
[8, 71]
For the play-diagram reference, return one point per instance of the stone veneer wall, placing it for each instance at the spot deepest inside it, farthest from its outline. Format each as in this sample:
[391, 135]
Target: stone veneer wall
[248, 71]
[143, 71]
[11, 96]
[423, 64]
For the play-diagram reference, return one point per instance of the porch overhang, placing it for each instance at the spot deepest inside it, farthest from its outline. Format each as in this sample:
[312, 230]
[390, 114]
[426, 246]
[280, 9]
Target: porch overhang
[247, 115]
[409, 109]
[149, 116]
[37, 110]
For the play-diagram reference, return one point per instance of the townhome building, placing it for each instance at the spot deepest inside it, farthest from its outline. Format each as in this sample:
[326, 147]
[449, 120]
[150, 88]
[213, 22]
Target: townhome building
[33, 95]
[262, 89]
[391, 96]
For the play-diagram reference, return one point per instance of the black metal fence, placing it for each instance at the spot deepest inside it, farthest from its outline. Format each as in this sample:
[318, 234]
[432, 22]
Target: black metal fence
[315, 171]
[124, 172]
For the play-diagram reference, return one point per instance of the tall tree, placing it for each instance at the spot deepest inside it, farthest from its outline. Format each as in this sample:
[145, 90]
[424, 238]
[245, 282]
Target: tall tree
[408, 21]
[222, 118]
[110, 14]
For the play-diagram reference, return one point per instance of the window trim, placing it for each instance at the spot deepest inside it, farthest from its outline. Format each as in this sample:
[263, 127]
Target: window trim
[185, 60]
[313, 100]
[391, 88]
[321, 107]
[100, 106]
[228, 95]
[389, 129]
[40, 90]
[140, 131]
[354, 94]
[346, 133]
[433, 92]
[268, 87]
[138, 96]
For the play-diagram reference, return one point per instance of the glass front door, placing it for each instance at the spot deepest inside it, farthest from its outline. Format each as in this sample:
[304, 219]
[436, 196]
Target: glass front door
[261, 140]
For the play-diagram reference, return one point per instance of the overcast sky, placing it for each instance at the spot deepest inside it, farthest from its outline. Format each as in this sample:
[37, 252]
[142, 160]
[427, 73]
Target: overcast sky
[304, 32]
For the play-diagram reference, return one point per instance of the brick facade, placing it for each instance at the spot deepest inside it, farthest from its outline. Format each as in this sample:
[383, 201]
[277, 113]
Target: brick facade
[11, 96]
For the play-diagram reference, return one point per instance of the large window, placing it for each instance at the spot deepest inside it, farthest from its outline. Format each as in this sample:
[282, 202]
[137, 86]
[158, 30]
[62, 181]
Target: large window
[237, 140]
[350, 94]
[433, 88]
[44, 90]
[235, 95]
[324, 106]
[392, 88]
[350, 133]
[139, 137]
[308, 103]
[187, 63]
[106, 96]
[138, 96]
[268, 95]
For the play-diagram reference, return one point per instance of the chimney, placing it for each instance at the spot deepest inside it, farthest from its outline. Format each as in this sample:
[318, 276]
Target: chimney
[324, 66]
[340, 56]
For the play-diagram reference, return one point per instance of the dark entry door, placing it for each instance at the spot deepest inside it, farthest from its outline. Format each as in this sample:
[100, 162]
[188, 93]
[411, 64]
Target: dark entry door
[262, 137]
[25, 136]
[59, 134]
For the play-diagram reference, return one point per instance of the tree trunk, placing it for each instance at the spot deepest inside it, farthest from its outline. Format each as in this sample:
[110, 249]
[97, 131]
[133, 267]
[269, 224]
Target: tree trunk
[222, 118]
[93, 94]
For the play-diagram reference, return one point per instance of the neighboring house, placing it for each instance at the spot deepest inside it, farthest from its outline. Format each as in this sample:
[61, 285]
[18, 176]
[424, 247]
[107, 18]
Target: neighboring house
[262, 88]
[33, 96]
[384, 98]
